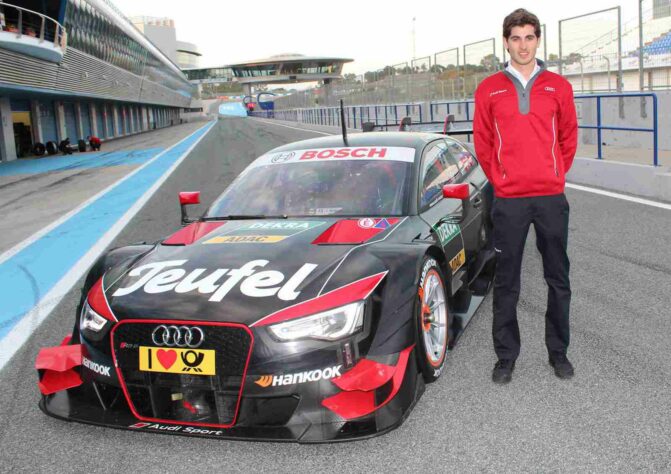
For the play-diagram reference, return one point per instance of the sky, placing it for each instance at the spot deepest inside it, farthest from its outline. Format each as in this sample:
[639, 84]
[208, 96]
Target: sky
[373, 33]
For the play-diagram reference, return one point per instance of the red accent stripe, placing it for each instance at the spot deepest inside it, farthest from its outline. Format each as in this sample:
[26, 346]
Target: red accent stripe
[199, 323]
[98, 301]
[357, 403]
[53, 382]
[365, 376]
[350, 293]
[56, 366]
[191, 233]
[59, 358]
[350, 231]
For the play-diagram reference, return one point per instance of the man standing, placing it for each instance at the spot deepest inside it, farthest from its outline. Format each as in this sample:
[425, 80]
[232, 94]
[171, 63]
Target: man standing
[525, 132]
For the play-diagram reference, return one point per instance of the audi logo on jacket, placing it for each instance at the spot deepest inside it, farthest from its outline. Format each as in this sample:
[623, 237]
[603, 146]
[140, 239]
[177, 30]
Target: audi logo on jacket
[525, 138]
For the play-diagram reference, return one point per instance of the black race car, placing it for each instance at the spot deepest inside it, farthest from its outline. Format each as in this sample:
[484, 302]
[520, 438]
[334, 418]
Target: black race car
[310, 303]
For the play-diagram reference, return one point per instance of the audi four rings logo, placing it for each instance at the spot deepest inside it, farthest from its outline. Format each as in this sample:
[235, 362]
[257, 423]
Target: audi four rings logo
[177, 336]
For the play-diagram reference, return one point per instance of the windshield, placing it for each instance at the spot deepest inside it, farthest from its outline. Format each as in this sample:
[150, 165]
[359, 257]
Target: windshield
[289, 184]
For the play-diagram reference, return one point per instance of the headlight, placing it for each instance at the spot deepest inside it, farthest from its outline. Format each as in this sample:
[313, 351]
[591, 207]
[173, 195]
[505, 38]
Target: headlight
[90, 320]
[328, 326]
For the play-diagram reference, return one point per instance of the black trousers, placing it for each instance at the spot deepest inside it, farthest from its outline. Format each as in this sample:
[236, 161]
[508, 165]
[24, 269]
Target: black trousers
[512, 218]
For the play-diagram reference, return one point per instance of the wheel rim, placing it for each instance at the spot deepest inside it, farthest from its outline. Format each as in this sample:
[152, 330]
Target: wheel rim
[433, 318]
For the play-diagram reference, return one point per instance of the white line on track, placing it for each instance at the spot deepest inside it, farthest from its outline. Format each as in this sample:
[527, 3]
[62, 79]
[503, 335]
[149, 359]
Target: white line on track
[294, 128]
[624, 197]
[20, 333]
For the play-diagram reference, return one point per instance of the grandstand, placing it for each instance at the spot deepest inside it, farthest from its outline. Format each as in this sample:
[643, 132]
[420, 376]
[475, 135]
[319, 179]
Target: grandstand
[593, 67]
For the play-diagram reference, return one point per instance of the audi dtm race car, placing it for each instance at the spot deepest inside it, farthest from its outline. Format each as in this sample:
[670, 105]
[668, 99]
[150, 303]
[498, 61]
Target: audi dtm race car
[311, 302]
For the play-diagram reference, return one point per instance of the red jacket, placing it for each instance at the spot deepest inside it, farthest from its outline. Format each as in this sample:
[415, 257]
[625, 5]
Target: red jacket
[525, 139]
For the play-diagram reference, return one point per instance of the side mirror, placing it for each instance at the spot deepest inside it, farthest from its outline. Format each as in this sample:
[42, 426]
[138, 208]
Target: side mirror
[458, 191]
[186, 199]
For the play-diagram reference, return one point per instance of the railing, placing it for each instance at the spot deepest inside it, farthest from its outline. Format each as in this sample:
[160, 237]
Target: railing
[24, 22]
[599, 127]
[392, 115]
[355, 116]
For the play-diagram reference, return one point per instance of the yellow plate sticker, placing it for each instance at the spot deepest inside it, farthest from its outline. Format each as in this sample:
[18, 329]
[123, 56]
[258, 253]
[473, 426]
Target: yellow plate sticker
[177, 361]
[457, 262]
[246, 239]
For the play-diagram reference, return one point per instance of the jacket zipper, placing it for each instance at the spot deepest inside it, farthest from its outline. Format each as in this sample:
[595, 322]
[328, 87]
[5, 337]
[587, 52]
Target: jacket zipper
[498, 154]
[554, 142]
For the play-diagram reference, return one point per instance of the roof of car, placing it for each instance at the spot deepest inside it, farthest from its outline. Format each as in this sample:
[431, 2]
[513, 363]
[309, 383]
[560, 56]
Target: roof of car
[401, 139]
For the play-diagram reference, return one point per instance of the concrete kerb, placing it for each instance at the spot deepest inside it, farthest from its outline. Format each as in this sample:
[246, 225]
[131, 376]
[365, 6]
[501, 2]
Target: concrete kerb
[640, 180]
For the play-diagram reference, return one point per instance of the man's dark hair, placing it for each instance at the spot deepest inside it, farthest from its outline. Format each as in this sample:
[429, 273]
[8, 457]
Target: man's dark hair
[521, 17]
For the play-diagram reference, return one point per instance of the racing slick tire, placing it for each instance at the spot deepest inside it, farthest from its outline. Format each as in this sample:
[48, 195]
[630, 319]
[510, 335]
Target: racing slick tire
[434, 320]
[39, 149]
[52, 148]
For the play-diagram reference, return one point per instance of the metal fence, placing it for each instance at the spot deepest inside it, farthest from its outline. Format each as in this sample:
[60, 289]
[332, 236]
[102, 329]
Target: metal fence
[355, 116]
[597, 52]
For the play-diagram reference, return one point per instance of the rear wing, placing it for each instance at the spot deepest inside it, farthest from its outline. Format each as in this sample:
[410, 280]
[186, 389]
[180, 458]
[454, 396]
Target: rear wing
[446, 127]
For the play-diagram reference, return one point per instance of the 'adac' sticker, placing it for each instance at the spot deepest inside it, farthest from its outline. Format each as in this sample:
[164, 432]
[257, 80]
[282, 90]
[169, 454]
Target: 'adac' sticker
[446, 232]
[267, 232]
[458, 261]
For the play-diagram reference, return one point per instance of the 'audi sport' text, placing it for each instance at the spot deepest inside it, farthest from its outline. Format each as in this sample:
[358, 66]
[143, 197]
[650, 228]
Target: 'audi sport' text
[159, 277]
[177, 428]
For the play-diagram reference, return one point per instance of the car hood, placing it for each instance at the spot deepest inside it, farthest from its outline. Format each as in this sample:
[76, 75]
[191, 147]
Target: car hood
[243, 271]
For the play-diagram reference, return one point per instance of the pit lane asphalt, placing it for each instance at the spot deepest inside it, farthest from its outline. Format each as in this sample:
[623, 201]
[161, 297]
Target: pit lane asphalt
[615, 415]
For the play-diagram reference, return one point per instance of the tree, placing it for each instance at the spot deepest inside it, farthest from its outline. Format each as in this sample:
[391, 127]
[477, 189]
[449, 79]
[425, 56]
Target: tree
[370, 76]
[573, 58]
[349, 78]
[490, 62]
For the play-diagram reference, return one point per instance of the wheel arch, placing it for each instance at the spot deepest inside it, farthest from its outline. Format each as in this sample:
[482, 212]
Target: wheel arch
[437, 253]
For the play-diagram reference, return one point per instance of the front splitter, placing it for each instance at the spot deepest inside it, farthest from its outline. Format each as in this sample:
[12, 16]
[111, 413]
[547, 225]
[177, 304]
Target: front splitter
[78, 406]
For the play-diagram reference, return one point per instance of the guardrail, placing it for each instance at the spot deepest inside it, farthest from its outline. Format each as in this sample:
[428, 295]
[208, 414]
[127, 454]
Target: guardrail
[599, 126]
[24, 22]
[355, 115]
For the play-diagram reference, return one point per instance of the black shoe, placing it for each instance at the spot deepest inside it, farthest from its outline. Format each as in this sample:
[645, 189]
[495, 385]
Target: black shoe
[503, 371]
[562, 366]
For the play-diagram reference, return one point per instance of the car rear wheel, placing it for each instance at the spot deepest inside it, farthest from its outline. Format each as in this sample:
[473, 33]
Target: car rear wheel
[433, 321]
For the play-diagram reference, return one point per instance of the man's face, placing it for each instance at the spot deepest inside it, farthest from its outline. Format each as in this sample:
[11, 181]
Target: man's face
[522, 44]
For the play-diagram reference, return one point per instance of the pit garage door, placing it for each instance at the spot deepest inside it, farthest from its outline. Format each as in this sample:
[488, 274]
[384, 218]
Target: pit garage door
[48, 119]
[86, 119]
[71, 130]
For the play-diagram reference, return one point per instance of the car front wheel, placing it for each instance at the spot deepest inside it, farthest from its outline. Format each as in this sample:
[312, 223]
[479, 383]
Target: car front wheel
[433, 320]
